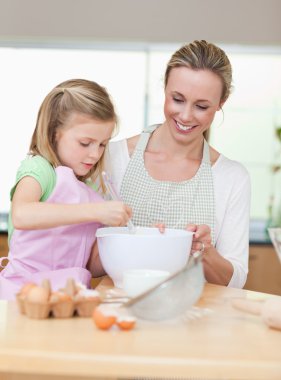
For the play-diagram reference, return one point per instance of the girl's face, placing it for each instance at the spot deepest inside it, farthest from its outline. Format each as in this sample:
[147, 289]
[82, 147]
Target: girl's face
[81, 142]
[192, 98]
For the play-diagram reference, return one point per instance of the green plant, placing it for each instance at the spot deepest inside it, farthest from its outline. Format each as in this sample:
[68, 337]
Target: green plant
[278, 133]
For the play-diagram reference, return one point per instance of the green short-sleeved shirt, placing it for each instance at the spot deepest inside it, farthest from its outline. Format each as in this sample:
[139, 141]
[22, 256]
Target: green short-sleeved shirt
[40, 169]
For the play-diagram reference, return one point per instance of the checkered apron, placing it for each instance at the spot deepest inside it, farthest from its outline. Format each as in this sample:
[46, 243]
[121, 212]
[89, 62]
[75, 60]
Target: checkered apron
[174, 203]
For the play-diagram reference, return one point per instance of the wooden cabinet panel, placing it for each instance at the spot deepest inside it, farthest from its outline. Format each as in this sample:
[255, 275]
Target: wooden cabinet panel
[264, 270]
[3, 246]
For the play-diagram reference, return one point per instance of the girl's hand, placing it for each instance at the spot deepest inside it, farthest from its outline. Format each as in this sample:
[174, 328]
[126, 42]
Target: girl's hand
[202, 237]
[112, 213]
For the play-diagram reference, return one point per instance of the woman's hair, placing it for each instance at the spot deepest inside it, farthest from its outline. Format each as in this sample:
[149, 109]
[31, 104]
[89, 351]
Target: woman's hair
[75, 95]
[202, 55]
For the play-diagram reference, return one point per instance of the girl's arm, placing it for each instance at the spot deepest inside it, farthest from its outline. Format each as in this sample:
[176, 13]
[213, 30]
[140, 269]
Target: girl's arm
[29, 213]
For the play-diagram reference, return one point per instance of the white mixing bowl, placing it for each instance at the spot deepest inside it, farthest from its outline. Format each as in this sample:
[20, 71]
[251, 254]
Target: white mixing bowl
[147, 248]
[137, 281]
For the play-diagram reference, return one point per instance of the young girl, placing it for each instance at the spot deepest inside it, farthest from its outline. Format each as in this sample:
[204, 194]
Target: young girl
[54, 212]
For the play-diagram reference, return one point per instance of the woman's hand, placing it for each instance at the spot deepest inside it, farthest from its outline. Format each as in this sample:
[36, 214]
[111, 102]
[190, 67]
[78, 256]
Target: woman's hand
[217, 269]
[202, 237]
[161, 227]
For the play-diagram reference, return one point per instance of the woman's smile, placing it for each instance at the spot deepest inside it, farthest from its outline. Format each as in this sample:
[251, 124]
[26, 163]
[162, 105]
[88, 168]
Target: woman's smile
[191, 101]
[184, 128]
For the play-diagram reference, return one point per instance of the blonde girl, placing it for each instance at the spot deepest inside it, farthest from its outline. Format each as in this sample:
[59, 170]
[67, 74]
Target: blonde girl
[55, 211]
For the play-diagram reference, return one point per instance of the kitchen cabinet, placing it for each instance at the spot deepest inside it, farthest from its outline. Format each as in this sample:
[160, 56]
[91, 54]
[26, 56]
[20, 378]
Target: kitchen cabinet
[3, 245]
[264, 270]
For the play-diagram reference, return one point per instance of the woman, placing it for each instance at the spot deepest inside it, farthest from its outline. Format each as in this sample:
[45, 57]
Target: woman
[170, 174]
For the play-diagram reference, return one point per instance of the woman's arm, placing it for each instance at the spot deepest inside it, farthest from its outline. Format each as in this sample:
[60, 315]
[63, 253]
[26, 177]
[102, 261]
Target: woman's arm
[233, 237]
[217, 269]
[29, 213]
[227, 262]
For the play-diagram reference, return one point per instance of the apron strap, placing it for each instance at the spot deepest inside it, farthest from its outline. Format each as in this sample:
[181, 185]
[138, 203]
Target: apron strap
[144, 137]
[151, 128]
[206, 153]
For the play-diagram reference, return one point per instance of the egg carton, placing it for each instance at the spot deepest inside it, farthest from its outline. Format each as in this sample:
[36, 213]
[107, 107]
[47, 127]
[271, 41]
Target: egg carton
[39, 302]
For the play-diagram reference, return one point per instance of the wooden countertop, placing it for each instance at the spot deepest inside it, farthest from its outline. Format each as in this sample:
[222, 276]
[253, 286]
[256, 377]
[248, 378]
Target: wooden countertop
[221, 343]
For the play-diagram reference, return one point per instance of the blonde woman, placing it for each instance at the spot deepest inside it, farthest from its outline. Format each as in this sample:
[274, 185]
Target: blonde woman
[170, 174]
[54, 211]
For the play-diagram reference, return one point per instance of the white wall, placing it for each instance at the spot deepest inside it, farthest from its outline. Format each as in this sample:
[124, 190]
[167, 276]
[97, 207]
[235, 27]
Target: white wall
[92, 23]
[255, 22]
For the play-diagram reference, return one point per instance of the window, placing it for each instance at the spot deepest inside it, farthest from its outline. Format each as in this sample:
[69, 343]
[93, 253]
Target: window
[247, 133]
[245, 130]
[27, 75]
[135, 79]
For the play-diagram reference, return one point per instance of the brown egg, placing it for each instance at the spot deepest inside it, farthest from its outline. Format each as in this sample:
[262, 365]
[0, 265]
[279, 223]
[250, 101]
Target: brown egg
[59, 297]
[104, 317]
[126, 322]
[26, 288]
[37, 294]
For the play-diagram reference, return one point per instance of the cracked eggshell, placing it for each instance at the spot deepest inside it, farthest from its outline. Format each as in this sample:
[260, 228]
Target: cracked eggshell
[104, 316]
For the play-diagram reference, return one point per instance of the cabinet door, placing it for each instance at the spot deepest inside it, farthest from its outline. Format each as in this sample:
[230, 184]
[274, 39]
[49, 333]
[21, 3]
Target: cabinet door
[264, 270]
[3, 246]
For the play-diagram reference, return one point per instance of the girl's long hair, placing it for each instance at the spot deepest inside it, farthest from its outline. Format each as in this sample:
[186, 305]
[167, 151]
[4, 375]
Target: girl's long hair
[75, 95]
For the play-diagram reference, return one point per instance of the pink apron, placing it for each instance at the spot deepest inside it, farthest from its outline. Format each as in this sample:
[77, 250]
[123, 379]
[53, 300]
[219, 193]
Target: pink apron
[55, 253]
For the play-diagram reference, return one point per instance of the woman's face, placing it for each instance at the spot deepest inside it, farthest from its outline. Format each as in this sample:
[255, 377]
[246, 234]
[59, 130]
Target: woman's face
[82, 141]
[192, 98]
